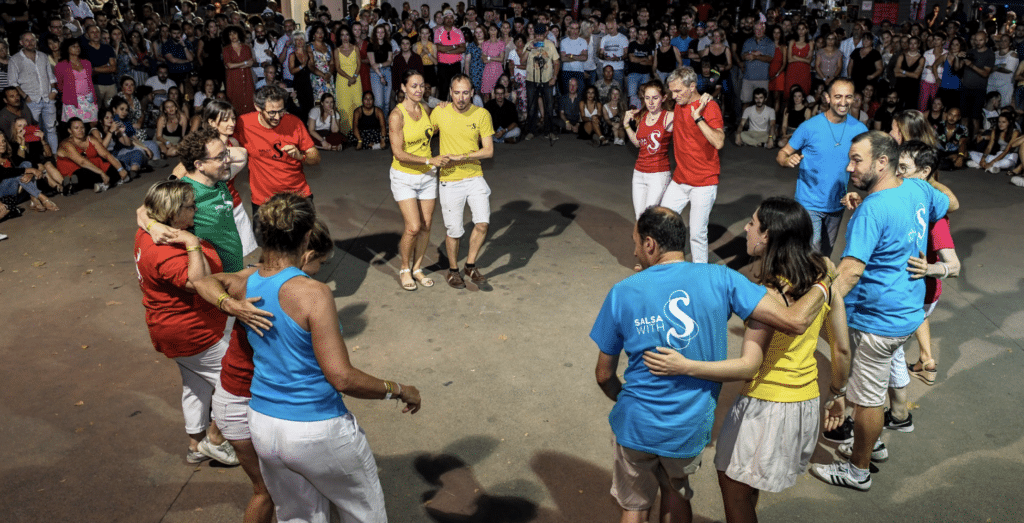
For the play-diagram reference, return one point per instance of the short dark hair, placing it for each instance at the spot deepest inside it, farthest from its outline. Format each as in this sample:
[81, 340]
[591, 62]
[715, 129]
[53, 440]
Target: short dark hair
[269, 93]
[881, 145]
[664, 226]
[459, 78]
[923, 156]
[192, 148]
[760, 91]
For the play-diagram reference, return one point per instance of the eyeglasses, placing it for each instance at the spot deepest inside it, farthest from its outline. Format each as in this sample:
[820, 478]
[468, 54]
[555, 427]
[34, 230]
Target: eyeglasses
[273, 113]
[222, 157]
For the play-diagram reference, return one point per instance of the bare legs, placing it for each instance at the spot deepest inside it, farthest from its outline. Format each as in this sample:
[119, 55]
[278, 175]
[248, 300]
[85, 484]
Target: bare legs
[211, 432]
[476, 241]
[867, 426]
[417, 215]
[674, 508]
[740, 500]
[261, 507]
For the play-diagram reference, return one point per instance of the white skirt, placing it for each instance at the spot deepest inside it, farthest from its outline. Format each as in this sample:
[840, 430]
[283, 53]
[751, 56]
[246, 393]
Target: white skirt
[767, 444]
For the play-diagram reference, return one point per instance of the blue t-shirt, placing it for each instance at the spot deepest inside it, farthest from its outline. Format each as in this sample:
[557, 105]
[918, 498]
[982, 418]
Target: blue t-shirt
[681, 305]
[99, 58]
[682, 43]
[823, 177]
[887, 229]
[287, 381]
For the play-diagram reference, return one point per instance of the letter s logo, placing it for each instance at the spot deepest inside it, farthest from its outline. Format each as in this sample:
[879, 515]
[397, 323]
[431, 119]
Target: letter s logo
[655, 142]
[674, 338]
[277, 149]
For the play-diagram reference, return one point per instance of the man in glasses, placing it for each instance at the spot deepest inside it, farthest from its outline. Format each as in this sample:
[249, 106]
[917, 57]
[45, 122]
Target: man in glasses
[278, 144]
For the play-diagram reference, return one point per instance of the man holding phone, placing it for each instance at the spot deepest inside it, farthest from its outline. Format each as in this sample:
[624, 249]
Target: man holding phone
[30, 72]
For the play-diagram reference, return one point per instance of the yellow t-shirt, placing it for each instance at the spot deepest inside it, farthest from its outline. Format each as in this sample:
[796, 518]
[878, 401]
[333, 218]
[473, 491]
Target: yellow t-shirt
[789, 372]
[540, 61]
[428, 46]
[417, 135]
[460, 134]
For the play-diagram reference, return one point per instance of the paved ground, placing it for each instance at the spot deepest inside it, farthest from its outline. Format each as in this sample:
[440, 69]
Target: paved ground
[513, 427]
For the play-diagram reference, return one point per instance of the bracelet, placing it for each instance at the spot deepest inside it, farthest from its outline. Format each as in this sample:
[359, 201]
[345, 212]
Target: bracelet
[195, 249]
[945, 273]
[699, 120]
[840, 392]
[220, 301]
[823, 288]
[426, 161]
[387, 389]
[150, 224]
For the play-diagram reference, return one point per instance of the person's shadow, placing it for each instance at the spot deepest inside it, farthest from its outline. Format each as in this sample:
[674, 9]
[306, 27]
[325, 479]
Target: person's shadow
[606, 227]
[517, 230]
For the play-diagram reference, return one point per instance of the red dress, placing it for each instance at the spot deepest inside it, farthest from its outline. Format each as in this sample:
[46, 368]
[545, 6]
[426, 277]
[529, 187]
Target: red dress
[799, 73]
[241, 86]
[777, 83]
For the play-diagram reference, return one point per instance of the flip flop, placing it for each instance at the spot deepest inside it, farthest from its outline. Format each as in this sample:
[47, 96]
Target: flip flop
[411, 286]
[422, 279]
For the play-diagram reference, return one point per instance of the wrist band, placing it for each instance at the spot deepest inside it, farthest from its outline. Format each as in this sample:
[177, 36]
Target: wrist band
[194, 249]
[150, 224]
[945, 269]
[699, 120]
[220, 301]
[823, 288]
[387, 389]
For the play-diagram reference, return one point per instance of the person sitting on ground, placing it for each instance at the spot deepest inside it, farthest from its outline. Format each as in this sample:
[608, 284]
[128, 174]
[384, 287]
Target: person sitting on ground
[170, 128]
[761, 121]
[504, 116]
[111, 135]
[953, 138]
[606, 83]
[999, 154]
[87, 159]
[569, 109]
[612, 113]
[29, 149]
[796, 113]
[590, 114]
[324, 124]
[368, 125]
[15, 179]
[121, 115]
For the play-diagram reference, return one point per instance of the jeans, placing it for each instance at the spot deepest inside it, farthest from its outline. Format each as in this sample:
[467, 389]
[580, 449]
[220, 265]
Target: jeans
[547, 92]
[45, 112]
[9, 187]
[445, 72]
[633, 82]
[381, 92]
[510, 134]
[826, 230]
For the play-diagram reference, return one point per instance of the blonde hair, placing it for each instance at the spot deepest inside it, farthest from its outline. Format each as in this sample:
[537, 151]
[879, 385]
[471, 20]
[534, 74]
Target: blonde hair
[164, 200]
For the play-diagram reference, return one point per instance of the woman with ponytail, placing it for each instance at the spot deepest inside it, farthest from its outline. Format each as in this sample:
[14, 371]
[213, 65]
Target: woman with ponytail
[312, 452]
[771, 431]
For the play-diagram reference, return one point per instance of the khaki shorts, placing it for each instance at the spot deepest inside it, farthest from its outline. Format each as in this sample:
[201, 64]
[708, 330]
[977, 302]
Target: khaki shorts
[871, 367]
[637, 476]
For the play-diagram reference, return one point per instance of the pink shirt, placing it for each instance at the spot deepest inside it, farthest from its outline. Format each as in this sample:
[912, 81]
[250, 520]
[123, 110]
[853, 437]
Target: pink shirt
[448, 37]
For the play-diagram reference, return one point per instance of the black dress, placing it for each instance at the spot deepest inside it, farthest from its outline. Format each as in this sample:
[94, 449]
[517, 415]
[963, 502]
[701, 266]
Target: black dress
[909, 89]
[863, 67]
[213, 62]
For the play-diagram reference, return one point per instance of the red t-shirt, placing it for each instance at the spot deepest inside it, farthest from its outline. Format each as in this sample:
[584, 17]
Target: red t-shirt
[236, 368]
[697, 161]
[180, 322]
[271, 171]
[939, 238]
[654, 144]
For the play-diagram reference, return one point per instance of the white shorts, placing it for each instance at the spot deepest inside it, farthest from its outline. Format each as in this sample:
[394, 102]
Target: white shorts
[899, 375]
[405, 186]
[231, 414]
[310, 465]
[455, 195]
[767, 444]
[200, 374]
[871, 367]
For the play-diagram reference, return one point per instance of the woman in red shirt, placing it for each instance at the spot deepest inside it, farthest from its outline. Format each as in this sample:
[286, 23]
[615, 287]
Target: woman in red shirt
[653, 135]
[183, 326]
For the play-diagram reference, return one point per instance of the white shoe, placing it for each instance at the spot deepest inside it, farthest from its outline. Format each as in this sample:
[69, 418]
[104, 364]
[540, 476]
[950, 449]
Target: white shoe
[223, 453]
[4, 236]
[1016, 180]
[993, 170]
[879, 454]
[839, 474]
[620, 141]
[973, 164]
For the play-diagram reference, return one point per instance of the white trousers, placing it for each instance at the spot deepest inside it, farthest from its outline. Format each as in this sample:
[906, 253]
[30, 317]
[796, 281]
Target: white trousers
[700, 200]
[1007, 162]
[310, 465]
[199, 377]
[648, 188]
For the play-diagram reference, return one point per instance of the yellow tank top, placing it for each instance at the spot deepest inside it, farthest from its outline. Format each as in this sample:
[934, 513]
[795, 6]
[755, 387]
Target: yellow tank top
[789, 372]
[417, 135]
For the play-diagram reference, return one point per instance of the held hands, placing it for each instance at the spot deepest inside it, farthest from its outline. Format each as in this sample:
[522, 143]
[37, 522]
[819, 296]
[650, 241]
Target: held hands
[185, 238]
[666, 362]
[851, 200]
[256, 319]
[440, 161]
[917, 267]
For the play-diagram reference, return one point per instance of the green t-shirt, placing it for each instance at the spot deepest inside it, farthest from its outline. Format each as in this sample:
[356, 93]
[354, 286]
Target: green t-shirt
[215, 222]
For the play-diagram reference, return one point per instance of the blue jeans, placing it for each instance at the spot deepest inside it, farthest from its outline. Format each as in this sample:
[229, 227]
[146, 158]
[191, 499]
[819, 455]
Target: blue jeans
[45, 112]
[826, 230]
[633, 82]
[9, 187]
[381, 92]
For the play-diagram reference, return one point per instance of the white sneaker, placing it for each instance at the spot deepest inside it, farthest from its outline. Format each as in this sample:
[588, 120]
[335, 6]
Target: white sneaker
[4, 236]
[839, 474]
[100, 187]
[620, 141]
[223, 453]
[879, 454]
[1018, 181]
[973, 164]
[993, 170]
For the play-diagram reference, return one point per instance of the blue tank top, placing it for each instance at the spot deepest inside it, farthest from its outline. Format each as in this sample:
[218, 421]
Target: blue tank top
[949, 78]
[287, 382]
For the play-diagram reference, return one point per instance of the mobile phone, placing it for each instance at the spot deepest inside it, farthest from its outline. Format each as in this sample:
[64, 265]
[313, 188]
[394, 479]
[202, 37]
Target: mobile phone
[30, 133]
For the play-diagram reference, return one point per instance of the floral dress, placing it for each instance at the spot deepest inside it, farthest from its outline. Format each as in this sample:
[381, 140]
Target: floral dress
[322, 62]
[476, 65]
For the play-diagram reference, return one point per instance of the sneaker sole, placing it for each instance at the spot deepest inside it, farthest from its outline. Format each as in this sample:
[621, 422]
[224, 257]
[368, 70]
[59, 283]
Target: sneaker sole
[833, 440]
[880, 459]
[861, 487]
[900, 429]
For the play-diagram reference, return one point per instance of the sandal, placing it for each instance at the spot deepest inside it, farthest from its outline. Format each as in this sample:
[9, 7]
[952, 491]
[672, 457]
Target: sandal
[49, 205]
[36, 205]
[410, 285]
[422, 279]
[921, 371]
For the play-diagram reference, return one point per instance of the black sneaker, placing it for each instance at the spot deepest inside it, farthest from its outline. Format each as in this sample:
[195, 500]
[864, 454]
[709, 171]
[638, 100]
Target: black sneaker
[841, 434]
[906, 425]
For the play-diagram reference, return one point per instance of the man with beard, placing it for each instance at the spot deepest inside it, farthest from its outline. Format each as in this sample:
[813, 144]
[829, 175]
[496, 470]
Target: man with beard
[13, 109]
[278, 144]
[30, 72]
[179, 54]
[883, 301]
[466, 138]
[819, 147]
[262, 51]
